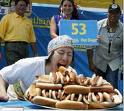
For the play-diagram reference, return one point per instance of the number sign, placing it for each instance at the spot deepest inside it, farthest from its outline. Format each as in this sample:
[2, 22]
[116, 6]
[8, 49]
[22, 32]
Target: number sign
[83, 32]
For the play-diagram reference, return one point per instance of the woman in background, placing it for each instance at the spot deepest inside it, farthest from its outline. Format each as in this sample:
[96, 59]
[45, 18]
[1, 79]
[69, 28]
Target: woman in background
[68, 10]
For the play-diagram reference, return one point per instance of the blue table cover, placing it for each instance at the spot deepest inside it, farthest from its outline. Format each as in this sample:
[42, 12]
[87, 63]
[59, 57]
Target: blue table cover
[28, 106]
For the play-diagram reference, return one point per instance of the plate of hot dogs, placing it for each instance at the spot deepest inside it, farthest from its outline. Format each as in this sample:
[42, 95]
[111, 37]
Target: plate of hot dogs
[66, 90]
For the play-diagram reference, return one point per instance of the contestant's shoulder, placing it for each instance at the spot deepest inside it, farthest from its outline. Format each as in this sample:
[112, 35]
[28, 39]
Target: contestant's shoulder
[32, 60]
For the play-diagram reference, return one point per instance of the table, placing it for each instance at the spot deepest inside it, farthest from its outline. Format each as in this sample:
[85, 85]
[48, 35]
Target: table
[28, 106]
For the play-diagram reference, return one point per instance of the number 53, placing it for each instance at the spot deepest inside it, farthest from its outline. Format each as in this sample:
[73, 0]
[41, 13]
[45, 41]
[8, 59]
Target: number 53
[75, 28]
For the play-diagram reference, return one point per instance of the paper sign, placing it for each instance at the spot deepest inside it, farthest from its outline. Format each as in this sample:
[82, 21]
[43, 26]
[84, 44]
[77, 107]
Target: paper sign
[83, 32]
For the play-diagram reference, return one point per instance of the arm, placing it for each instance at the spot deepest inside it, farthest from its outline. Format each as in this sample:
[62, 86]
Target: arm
[3, 88]
[34, 49]
[53, 28]
[32, 41]
[90, 60]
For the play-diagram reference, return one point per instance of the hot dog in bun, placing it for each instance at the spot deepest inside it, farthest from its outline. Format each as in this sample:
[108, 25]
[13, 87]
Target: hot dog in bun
[44, 101]
[74, 105]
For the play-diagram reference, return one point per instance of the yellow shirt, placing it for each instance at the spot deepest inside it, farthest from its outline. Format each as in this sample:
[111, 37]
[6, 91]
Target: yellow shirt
[16, 28]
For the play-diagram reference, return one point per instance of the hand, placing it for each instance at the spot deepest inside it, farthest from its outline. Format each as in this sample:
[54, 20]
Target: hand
[99, 37]
[4, 98]
[93, 68]
[3, 90]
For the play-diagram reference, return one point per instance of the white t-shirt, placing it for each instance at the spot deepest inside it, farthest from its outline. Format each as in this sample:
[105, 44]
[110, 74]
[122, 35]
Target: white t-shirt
[24, 70]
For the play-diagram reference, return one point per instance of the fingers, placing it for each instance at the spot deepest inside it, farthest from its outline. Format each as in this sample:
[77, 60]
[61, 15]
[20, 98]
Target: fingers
[99, 37]
[4, 98]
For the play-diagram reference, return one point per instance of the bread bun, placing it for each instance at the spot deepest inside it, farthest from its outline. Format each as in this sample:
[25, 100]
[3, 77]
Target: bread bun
[77, 89]
[96, 80]
[107, 97]
[119, 98]
[44, 101]
[102, 88]
[43, 78]
[83, 81]
[97, 97]
[74, 105]
[85, 99]
[49, 86]
[31, 92]
[62, 69]
[101, 105]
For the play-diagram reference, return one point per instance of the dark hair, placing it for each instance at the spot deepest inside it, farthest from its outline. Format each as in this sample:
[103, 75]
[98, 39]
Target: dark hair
[49, 59]
[26, 1]
[75, 12]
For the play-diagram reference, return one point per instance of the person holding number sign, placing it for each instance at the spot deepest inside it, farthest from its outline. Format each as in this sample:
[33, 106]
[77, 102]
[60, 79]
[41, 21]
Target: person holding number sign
[68, 10]
[108, 54]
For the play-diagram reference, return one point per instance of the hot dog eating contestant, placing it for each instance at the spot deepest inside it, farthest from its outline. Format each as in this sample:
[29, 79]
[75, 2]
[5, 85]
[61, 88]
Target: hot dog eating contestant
[51, 81]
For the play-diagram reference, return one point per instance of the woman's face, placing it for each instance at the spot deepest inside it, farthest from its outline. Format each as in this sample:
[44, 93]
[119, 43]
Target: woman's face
[113, 17]
[67, 7]
[62, 57]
